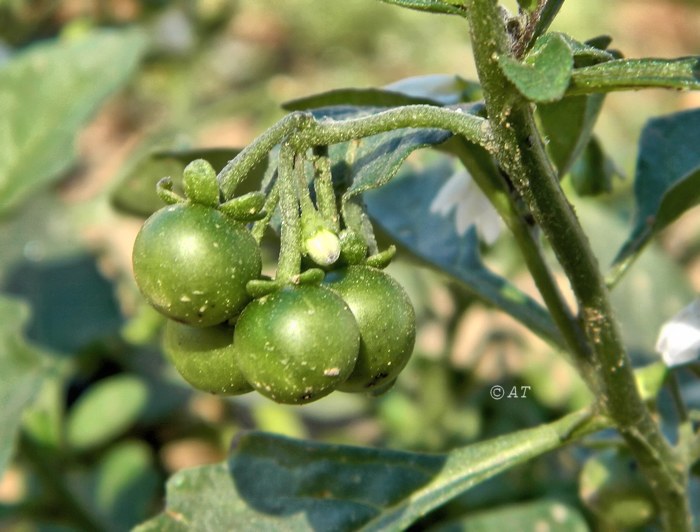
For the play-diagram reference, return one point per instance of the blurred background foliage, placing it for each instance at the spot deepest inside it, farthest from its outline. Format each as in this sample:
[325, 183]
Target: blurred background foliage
[110, 419]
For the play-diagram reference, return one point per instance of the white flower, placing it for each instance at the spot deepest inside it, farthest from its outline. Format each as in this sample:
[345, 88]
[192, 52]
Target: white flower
[461, 193]
[679, 339]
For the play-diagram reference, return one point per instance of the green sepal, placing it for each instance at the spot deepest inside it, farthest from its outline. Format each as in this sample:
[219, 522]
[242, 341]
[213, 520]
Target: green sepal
[164, 189]
[245, 208]
[382, 259]
[199, 182]
[261, 287]
[310, 276]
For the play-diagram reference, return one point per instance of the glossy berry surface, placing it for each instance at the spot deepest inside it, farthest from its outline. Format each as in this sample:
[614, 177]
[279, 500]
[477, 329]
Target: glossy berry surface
[386, 320]
[192, 264]
[298, 344]
[205, 357]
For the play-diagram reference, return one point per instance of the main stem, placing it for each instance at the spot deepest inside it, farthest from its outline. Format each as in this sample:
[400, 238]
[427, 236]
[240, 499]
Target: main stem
[521, 153]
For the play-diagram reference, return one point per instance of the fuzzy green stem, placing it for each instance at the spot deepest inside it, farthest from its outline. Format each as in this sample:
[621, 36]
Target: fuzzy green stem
[271, 201]
[237, 169]
[323, 186]
[521, 153]
[289, 263]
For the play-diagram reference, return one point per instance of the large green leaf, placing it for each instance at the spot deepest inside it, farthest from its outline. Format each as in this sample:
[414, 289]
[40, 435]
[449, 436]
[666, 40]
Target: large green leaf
[545, 73]
[21, 371]
[550, 515]
[626, 74]
[434, 89]
[274, 483]
[567, 125]
[447, 7]
[434, 239]
[46, 95]
[667, 178]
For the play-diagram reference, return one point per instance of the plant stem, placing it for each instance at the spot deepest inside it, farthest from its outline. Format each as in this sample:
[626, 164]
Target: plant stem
[237, 169]
[289, 262]
[323, 186]
[520, 151]
[312, 132]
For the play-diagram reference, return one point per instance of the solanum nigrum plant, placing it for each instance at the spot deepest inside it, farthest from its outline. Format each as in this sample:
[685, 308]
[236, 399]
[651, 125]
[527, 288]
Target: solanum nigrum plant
[331, 319]
[193, 259]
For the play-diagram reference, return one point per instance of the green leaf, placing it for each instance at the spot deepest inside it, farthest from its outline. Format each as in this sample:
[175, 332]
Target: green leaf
[448, 7]
[22, 369]
[275, 483]
[378, 158]
[434, 240]
[567, 125]
[589, 53]
[46, 95]
[527, 5]
[546, 71]
[549, 515]
[593, 172]
[667, 178]
[106, 410]
[435, 89]
[626, 74]
[361, 97]
[125, 484]
[73, 305]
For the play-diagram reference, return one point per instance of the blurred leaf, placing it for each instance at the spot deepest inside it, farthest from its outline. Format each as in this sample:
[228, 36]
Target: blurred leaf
[105, 410]
[362, 97]
[434, 89]
[546, 71]
[377, 159]
[454, 7]
[612, 486]
[434, 239]
[650, 379]
[625, 74]
[136, 190]
[527, 5]
[654, 277]
[667, 178]
[126, 484]
[21, 372]
[73, 304]
[46, 95]
[275, 483]
[567, 125]
[549, 515]
[593, 172]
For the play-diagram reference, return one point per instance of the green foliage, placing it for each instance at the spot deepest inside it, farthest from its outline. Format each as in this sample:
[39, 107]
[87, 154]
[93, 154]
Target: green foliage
[545, 73]
[434, 239]
[282, 484]
[449, 7]
[96, 418]
[667, 176]
[106, 410]
[47, 95]
[22, 368]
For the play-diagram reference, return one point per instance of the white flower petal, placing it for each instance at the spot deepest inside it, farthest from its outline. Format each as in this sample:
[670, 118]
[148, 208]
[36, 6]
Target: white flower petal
[679, 338]
[454, 190]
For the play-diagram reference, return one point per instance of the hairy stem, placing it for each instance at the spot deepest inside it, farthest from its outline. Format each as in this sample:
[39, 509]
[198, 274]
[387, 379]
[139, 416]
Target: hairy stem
[521, 153]
[289, 262]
